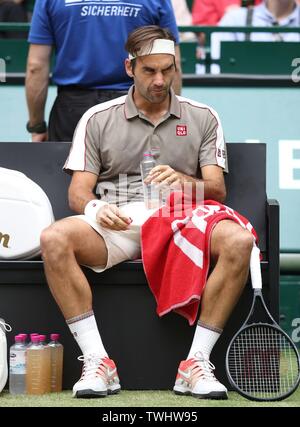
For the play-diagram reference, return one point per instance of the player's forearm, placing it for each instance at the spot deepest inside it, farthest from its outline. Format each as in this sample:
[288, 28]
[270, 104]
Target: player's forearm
[37, 80]
[204, 189]
[79, 198]
[214, 190]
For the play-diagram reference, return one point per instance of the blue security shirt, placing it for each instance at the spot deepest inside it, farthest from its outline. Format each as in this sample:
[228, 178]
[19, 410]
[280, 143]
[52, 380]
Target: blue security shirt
[89, 37]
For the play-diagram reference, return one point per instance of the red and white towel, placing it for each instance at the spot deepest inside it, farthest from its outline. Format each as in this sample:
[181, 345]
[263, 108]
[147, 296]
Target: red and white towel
[176, 249]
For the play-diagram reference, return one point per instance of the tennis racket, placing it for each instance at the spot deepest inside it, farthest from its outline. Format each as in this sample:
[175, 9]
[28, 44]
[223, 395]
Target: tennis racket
[262, 362]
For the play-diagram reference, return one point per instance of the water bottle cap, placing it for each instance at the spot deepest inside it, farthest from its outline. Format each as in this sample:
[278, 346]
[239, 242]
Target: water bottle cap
[23, 336]
[148, 154]
[42, 338]
[35, 338]
[34, 335]
[54, 337]
[18, 338]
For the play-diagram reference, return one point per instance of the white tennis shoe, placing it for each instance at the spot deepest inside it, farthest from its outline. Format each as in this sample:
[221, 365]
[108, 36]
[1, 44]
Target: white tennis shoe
[195, 377]
[98, 379]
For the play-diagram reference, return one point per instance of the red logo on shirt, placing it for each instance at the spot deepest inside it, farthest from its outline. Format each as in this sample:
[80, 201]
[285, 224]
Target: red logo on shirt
[181, 130]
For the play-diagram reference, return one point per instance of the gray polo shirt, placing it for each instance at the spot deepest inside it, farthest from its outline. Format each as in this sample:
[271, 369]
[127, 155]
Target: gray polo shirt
[112, 137]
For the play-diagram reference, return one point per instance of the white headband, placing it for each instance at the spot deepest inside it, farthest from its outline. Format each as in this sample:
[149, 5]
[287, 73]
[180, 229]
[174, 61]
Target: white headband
[159, 46]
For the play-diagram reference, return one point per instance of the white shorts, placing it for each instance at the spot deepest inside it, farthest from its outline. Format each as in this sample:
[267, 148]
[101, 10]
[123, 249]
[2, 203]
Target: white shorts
[121, 245]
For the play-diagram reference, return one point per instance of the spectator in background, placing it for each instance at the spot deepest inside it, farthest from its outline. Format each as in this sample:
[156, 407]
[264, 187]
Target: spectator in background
[183, 17]
[88, 40]
[28, 6]
[285, 13]
[12, 11]
[210, 12]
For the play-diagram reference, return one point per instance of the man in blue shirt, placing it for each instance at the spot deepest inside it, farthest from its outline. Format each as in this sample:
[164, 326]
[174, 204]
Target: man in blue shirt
[88, 40]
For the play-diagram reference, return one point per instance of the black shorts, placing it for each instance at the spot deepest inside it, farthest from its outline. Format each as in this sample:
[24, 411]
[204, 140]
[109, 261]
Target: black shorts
[70, 105]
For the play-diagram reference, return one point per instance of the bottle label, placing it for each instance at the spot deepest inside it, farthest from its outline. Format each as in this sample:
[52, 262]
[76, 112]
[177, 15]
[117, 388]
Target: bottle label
[17, 362]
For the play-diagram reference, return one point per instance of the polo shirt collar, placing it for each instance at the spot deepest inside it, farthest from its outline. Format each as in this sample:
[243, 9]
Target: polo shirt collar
[130, 107]
[131, 110]
[175, 109]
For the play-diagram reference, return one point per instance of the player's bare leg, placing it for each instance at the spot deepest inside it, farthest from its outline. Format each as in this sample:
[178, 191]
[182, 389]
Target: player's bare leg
[66, 245]
[231, 247]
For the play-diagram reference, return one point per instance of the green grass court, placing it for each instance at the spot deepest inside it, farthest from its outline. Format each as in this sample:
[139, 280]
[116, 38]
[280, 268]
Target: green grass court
[135, 399]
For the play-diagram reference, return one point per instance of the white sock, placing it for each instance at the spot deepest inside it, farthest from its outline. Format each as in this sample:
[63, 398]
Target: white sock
[85, 331]
[204, 340]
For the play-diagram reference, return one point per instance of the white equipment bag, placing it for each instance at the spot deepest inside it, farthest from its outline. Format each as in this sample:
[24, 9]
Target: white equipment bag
[3, 353]
[25, 211]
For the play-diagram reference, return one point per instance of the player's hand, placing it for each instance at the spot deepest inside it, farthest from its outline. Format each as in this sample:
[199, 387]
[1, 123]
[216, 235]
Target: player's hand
[110, 216]
[165, 176]
[39, 137]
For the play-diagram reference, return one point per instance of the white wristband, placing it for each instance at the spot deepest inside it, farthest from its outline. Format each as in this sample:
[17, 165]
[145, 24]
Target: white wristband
[92, 207]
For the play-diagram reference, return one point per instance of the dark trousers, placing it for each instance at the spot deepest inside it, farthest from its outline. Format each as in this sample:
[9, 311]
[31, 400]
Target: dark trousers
[70, 105]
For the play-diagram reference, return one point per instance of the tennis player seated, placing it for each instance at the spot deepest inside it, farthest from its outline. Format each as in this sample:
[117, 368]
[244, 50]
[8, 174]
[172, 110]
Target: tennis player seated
[107, 149]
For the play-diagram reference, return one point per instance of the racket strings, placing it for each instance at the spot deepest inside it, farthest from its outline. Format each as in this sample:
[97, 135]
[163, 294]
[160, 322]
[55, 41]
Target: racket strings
[263, 363]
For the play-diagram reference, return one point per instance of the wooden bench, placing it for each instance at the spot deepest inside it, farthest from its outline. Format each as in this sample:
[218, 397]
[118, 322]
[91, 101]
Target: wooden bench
[146, 348]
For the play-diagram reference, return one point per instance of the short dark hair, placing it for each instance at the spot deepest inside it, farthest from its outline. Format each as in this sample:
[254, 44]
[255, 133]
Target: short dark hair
[145, 36]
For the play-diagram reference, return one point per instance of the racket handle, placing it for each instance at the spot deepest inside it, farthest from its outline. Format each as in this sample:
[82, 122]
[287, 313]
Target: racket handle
[255, 268]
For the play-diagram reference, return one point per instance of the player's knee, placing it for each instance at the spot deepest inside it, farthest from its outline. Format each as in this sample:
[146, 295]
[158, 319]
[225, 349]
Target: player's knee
[245, 242]
[239, 246]
[54, 244]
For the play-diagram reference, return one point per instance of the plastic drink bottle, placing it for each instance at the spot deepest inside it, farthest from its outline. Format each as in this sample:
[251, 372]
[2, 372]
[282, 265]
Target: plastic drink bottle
[24, 338]
[17, 366]
[46, 363]
[38, 368]
[56, 350]
[151, 192]
[32, 335]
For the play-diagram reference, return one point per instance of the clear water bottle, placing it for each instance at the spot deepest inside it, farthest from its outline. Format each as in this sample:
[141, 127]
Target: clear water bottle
[151, 192]
[57, 350]
[24, 339]
[17, 366]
